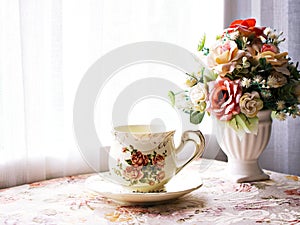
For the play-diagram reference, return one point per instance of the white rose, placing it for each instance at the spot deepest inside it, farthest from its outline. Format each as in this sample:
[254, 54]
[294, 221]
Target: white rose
[198, 93]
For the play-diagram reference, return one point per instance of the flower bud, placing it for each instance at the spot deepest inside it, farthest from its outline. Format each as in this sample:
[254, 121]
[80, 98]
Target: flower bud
[190, 82]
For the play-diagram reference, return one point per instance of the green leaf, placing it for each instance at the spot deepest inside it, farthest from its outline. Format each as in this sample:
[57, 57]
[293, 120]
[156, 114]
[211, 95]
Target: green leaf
[172, 97]
[262, 61]
[242, 124]
[239, 43]
[202, 43]
[244, 71]
[196, 117]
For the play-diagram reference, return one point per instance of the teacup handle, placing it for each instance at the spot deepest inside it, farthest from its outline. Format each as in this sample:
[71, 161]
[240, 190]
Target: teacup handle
[199, 146]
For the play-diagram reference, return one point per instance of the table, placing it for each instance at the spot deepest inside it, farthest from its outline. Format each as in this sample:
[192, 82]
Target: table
[67, 201]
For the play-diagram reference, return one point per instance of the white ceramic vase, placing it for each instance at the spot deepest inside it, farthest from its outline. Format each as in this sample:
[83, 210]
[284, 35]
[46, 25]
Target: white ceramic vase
[243, 153]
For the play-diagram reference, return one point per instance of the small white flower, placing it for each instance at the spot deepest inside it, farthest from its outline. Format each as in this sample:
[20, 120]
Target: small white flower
[234, 35]
[280, 105]
[273, 36]
[281, 116]
[268, 30]
[258, 78]
[183, 102]
[265, 86]
[266, 94]
[246, 82]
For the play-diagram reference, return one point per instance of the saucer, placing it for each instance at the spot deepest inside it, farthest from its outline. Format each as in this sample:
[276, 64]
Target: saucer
[179, 185]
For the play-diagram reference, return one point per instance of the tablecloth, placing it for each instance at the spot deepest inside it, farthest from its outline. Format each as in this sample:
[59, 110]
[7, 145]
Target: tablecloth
[219, 201]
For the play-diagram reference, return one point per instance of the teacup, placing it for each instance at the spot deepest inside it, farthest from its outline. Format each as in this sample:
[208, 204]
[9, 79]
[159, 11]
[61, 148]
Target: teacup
[144, 158]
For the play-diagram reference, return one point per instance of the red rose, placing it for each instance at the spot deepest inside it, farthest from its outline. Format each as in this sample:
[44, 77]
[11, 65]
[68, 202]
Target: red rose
[247, 27]
[269, 47]
[224, 98]
[138, 159]
[159, 161]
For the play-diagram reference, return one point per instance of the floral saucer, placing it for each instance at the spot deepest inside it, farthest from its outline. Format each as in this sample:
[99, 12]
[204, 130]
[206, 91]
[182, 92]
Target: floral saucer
[179, 185]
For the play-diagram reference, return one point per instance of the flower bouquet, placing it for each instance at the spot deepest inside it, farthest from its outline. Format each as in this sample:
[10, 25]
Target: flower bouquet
[245, 73]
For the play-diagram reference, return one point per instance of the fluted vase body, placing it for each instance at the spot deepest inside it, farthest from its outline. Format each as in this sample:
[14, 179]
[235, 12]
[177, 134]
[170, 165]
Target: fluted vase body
[243, 152]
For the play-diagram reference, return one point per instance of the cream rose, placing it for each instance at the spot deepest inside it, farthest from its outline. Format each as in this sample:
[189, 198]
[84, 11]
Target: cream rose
[223, 57]
[277, 60]
[250, 104]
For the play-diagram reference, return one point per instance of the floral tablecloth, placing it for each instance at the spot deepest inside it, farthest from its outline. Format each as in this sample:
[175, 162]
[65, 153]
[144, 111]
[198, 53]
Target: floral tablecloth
[68, 201]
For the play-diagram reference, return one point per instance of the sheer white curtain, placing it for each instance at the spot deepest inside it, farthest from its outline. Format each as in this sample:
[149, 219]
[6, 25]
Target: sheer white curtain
[32, 104]
[283, 152]
[45, 49]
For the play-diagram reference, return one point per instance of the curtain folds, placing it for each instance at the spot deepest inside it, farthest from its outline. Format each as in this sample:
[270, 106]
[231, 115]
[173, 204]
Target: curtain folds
[32, 131]
[283, 153]
[45, 49]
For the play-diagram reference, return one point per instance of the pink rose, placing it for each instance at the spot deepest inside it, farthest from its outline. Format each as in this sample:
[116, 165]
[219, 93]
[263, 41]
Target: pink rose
[224, 98]
[133, 173]
[161, 175]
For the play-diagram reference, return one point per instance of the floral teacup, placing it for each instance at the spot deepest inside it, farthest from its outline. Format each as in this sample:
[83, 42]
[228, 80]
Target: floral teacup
[144, 158]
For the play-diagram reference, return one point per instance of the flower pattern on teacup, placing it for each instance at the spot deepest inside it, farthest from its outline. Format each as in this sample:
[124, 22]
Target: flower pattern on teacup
[142, 168]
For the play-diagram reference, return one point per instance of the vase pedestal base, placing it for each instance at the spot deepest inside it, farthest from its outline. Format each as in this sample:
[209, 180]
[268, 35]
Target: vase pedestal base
[244, 171]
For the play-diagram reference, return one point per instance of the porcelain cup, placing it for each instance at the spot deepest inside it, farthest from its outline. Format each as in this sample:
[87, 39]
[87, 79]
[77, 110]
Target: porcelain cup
[144, 158]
